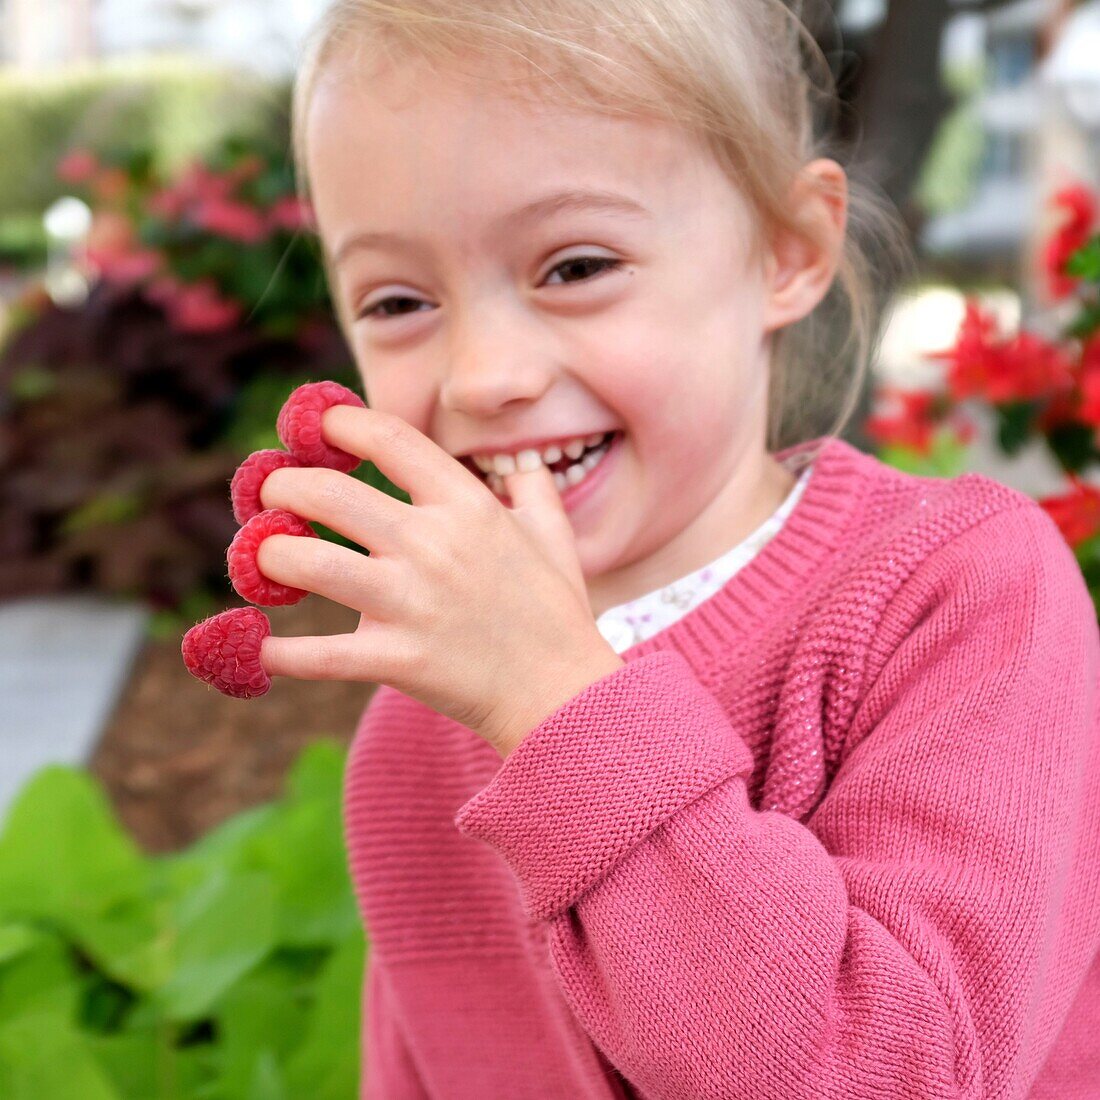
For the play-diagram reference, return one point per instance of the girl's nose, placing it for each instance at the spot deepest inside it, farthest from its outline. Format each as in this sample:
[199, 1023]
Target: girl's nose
[484, 375]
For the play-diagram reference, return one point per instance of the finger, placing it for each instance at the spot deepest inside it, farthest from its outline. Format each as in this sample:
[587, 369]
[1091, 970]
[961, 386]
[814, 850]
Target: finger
[536, 503]
[406, 456]
[362, 656]
[366, 515]
[534, 490]
[335, 572]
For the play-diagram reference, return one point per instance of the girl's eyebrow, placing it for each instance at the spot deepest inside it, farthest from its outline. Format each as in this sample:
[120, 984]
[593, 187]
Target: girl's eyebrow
[555, 203]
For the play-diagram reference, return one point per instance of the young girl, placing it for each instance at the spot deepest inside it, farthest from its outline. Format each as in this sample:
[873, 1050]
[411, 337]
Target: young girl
[698, 768]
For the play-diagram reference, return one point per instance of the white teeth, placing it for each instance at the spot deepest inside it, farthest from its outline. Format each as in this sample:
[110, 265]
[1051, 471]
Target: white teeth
[528, 460]
[487, 463]
[495, 467]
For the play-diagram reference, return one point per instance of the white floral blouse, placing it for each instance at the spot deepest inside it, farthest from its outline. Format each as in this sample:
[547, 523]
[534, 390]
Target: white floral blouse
[632, 622]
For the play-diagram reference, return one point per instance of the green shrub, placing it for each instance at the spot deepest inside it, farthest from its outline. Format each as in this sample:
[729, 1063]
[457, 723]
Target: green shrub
[229, 971]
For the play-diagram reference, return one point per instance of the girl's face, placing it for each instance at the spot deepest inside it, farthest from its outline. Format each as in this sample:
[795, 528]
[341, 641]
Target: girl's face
[491, 327]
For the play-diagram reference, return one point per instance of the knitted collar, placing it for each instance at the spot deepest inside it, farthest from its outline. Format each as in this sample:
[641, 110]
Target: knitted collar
[813, 530]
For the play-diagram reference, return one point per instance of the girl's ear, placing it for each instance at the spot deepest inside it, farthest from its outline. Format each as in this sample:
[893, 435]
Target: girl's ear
[799, 267]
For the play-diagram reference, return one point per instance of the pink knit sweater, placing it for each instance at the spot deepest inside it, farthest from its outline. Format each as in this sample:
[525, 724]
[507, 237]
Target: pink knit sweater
[833, 835]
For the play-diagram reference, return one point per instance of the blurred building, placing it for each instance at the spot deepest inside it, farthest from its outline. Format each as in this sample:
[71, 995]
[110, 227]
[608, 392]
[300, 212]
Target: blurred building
[1039, 114]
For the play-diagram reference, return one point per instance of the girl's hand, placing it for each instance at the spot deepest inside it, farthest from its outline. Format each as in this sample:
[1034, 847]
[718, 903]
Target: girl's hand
[477, 610]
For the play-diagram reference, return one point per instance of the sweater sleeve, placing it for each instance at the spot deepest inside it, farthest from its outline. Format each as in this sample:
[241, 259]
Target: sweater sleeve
[387, 1071]
[921, 935]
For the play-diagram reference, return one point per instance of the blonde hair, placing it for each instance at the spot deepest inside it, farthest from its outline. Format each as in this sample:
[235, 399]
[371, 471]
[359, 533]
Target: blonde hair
[738, 74]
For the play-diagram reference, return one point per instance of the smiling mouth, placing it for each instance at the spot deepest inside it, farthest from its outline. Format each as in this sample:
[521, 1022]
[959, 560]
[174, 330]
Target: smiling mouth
[561, 467]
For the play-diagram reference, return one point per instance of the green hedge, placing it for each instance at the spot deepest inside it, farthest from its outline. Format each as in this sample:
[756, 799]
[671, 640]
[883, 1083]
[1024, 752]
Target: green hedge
[230, 971]
[176, 107]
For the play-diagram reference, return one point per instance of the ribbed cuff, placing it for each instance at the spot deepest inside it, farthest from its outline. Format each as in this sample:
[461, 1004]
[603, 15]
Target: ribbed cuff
[599, 774]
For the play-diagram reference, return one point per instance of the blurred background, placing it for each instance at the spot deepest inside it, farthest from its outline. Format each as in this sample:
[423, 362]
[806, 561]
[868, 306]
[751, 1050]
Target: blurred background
[176, 918]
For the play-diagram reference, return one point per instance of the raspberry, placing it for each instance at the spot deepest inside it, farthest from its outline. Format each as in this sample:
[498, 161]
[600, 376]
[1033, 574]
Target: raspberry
[299, 425]
[224, 650]
[244, 489]
[245, 574]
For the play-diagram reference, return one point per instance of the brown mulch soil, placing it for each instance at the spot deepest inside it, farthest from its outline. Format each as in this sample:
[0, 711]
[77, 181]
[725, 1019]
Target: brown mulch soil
[178, 757]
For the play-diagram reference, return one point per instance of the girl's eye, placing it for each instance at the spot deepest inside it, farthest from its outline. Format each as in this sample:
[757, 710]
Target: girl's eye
[573, 263]
[579, 261]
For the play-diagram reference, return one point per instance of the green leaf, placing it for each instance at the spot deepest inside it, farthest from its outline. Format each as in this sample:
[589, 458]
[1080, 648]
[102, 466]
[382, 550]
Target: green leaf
[1015, 421]
[16, 940]
[42, 1056]
[32, 382]
[1085, 324]
[130, 1059]
[946, 457]
[226, 841]
[1085, 262]
[131, 942]
[149, 1061]
[1073, 444]
[261, 1014]
[43, 978]
[306, 857]
[318, 773]
[63, 855]
[326, 1066]
[105, 509]
[223, 929]
[267, 1080]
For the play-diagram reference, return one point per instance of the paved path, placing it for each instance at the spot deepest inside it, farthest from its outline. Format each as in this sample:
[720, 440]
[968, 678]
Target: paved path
[63, 662]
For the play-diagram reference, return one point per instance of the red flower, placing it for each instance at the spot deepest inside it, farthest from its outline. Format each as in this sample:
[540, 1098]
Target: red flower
[1082, 206]
[1089, 382]
[968, 359]
[982, 364]
[79, 166]
[1077, 513]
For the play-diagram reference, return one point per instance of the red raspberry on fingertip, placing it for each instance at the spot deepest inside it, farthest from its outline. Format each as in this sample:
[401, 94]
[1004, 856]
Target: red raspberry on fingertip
[244, 489]
[244, 572]
[224, 651]
[299, 425]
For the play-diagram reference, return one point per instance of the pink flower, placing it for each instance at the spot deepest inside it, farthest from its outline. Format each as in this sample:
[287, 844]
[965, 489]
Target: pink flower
[290, 212]
[194, 307]
[125, 267]
[113, 251]
[167, 203]
[110, 185]
[231, 219]
[79, 166]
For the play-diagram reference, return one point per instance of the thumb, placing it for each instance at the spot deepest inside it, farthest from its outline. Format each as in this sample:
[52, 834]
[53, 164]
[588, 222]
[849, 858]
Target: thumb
[536, 503]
